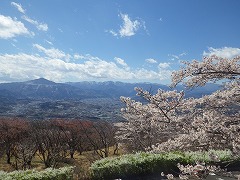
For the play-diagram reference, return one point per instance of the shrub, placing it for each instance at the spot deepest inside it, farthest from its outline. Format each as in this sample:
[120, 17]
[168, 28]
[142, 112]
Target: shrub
[147, 163]
[64, 173]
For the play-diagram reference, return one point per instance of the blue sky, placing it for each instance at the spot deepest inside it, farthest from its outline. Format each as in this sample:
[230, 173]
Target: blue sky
[117, 40]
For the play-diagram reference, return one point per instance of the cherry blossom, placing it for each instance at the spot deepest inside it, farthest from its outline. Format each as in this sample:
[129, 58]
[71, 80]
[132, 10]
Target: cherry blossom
[167, 121]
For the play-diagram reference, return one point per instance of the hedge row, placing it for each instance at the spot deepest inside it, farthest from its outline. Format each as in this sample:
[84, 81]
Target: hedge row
[64, 173]
[147, 163]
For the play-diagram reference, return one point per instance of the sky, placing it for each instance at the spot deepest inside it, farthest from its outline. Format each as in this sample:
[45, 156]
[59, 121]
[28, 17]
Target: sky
[112, 40]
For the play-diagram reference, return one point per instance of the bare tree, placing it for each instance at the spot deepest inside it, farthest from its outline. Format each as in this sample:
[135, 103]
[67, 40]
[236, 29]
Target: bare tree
[11, 131]
[50, 141]
[24, 152]
[101, 137]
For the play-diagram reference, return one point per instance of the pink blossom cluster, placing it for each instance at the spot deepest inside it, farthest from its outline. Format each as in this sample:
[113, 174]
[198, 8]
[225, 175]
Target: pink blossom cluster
[168, 121]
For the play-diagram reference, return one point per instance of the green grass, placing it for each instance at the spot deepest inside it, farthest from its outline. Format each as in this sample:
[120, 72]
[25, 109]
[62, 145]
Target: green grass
[64, 173]
[147, 163]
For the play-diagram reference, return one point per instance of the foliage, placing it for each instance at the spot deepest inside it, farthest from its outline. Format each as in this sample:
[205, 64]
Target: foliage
[148, 163]
[65, 173]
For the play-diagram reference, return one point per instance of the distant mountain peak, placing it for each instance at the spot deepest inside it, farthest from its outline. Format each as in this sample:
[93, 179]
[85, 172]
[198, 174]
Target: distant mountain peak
[41, 81]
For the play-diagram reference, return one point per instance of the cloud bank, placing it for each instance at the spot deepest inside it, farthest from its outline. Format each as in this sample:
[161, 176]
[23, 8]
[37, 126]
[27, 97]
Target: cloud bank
[59, 66]
[53, 65]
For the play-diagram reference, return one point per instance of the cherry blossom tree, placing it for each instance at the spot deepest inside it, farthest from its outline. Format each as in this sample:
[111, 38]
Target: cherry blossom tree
[211, 68]
[149, 123]
[168, 121]
[216, 121]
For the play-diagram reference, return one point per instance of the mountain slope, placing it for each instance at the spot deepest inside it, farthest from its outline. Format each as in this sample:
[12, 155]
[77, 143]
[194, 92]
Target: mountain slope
[44, 89]
[112, 89]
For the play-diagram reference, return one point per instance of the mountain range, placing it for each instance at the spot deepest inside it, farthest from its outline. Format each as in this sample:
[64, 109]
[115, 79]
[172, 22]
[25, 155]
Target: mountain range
[44, 89]
[41, 98]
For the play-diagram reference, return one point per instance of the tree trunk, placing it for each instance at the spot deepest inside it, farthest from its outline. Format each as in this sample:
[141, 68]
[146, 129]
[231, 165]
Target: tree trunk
[115, 152]
[71, 154]
[8, 153]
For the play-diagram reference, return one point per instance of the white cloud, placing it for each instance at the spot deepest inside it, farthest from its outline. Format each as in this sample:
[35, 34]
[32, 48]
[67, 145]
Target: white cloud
[86, 57]
[151, 61]
[177, 57]
[19, 7]
[165, 70]
[60, 30]
[78, 56]
[112, 32]
[23, 67]
[52, 52]
[129, 27]
[10, 28]
[164, 65]
[182, 54]
[40, 26]
[120, 61]
[49, 42]
[225, 52]
[18, 67]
